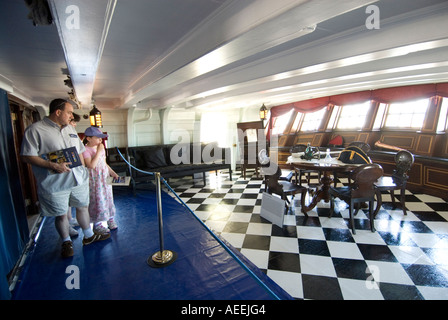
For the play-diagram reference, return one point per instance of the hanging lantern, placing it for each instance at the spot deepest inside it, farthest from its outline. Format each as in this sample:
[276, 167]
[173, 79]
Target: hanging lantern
[263, 112]
[95, 118]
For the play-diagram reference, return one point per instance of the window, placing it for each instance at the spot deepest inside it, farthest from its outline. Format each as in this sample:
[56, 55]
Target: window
[281, 122]
[407, 114]
[353, 116]
[312, 120]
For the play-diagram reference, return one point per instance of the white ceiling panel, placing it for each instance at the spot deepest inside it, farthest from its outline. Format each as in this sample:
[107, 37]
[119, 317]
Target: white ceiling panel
[218, 53]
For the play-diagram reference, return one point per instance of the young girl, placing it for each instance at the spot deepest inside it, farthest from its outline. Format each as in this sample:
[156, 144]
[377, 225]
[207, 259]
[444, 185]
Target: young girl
[101, 207]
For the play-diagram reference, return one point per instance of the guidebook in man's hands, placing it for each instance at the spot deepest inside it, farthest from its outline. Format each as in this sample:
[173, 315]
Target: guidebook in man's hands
[65, 155]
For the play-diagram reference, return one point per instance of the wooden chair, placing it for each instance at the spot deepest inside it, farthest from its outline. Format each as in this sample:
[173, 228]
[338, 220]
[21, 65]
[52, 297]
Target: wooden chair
[300, 172]
[404, 161]
[361, 190]
[274, 182]
[364, 147]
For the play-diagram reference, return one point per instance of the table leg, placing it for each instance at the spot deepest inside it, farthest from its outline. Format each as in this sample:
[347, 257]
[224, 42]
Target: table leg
[321, 192]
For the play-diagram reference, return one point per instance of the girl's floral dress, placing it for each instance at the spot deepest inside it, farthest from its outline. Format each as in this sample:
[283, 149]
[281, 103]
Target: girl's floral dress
[101, 206]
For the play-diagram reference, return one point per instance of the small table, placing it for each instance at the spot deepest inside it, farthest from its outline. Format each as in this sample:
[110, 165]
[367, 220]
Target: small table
[326, 168]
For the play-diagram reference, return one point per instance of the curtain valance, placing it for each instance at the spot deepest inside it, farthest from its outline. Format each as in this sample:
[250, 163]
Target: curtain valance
[386, 95]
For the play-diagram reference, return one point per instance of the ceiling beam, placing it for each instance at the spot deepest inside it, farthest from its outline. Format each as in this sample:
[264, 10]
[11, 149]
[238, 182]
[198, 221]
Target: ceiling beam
[83, 26]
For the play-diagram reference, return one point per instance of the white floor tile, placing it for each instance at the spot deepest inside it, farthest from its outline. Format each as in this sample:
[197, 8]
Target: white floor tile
[240, 217]
[291, 282]
[359, 290]
[390, 272]
[258, 257]
[366, 236]
[282, 244]
[235, 239]
[433, 293]
[317, 265]
[263, 229]
[437, 227]
[410, 255]
[312, 233]
[346, 250]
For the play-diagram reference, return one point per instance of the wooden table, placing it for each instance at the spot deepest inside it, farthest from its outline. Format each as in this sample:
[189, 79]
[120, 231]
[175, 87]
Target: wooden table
[326, 168]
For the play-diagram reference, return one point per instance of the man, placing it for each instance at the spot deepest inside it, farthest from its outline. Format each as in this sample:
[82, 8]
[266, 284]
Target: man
[58, 185]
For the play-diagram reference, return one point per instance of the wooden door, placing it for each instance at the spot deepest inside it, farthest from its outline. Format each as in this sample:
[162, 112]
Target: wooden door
[22, 117]
[249, 136]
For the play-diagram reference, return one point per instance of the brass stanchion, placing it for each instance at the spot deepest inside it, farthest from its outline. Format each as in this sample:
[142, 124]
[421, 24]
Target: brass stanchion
[161, 258]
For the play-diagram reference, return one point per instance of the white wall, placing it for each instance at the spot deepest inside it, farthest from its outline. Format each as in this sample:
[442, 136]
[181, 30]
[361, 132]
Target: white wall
[143, 127]
[114, 123]
[139, 127]
[181, 124]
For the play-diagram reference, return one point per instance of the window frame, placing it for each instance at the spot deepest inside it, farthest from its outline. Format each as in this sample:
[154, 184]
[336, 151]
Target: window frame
[404, 128]
[287, 125]
[368, 104]
[300, 129]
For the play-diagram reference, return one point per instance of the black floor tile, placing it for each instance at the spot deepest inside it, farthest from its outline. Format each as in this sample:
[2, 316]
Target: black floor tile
[284, 261]
[321, 288]
[376, 252]
[351, 269]
[315, 247]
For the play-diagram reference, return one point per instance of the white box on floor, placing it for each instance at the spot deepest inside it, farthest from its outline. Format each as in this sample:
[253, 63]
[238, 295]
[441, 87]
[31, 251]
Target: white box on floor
[272, 209]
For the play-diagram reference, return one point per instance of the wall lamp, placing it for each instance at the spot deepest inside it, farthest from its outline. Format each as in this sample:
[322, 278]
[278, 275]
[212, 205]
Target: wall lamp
[263, 112]
[95, 118]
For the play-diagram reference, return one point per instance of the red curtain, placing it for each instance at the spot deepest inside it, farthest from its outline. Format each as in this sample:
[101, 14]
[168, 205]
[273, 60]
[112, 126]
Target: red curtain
[387, 95]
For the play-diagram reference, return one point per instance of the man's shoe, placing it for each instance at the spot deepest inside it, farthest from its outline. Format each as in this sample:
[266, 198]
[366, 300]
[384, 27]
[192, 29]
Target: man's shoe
[95, 237]
[67, 249]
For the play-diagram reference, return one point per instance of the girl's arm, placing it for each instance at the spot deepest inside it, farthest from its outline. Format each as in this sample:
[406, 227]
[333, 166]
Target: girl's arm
[112, 173]
[91, 162]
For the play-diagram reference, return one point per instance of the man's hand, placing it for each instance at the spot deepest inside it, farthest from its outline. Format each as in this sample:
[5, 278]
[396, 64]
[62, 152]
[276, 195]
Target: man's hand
[60, 167]
[38, 161]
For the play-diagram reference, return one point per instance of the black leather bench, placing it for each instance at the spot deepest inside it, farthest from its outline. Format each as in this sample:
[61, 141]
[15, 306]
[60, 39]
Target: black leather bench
[177, 160]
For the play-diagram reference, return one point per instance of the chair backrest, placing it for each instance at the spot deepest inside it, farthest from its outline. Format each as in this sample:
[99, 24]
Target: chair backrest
[272, 184]
[270, 176]
[364, 178]
[404, 161]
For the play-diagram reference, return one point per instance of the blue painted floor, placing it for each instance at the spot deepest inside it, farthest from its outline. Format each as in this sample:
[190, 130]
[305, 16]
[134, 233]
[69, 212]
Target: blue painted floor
[117, 268]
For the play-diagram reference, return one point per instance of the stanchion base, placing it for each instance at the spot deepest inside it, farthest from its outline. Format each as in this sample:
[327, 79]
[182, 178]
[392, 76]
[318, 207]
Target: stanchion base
[158, 260]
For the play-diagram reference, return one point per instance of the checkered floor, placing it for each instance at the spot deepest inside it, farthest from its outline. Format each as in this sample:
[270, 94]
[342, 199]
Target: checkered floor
[319, 257]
